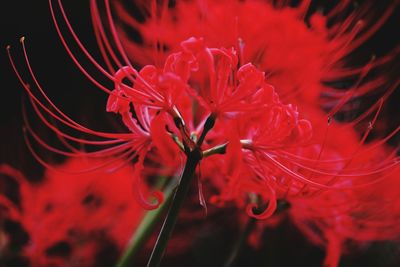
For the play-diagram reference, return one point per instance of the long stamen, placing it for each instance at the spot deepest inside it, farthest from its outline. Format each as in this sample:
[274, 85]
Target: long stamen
[371, 30]
[99, 24]
[71, 124]
[49, 166]
[76, 153]
[121, 50]
[351, 92]
[74, 59]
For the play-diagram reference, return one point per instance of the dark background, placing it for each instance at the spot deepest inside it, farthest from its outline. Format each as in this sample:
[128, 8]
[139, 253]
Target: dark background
[74, 94]
[61, 80]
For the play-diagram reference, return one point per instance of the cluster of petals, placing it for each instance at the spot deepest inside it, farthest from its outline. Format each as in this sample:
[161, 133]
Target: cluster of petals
[305, 56]
[303, 51]
[237, 98]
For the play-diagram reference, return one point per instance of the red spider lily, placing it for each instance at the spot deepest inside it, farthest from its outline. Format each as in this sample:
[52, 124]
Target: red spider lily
[68, 217]
[343, 218]
[273, 126]
[278, 128]
[297, 58]
[286, 44]
[210, 95]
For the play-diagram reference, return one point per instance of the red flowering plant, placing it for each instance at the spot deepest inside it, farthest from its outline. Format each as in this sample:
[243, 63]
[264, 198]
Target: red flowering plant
[326, 42]
[250, 107]
[67, 216]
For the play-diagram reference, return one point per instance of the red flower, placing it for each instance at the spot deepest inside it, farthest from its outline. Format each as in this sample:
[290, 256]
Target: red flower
[73, 211]
[350, 217]
[299, 58]
[213, 94]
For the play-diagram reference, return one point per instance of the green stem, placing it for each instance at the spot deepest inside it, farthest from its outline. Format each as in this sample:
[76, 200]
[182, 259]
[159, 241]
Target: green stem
[220, 149]
[144, 231]
[193, 159]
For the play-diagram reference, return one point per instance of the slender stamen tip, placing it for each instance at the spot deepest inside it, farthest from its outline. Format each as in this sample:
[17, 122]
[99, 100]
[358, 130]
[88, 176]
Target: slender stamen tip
[8, 47]
[22, 39]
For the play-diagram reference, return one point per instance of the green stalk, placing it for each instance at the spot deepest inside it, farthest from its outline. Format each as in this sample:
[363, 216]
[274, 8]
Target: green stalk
[193, 159]
[220, 149]
[144, 230]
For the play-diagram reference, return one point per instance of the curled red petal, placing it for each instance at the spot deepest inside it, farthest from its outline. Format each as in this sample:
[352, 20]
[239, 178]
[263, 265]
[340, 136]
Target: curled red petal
[263, 215]
[139, 189]
[143, 200]
[268, 211]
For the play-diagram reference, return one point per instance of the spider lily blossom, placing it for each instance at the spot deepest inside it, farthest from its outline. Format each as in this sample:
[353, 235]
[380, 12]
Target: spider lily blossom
[303, 49]
[272, 125]
[67, 216]
[240, 105]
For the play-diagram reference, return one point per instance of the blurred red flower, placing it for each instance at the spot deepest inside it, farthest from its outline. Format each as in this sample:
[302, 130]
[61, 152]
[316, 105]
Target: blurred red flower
[70, 217]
